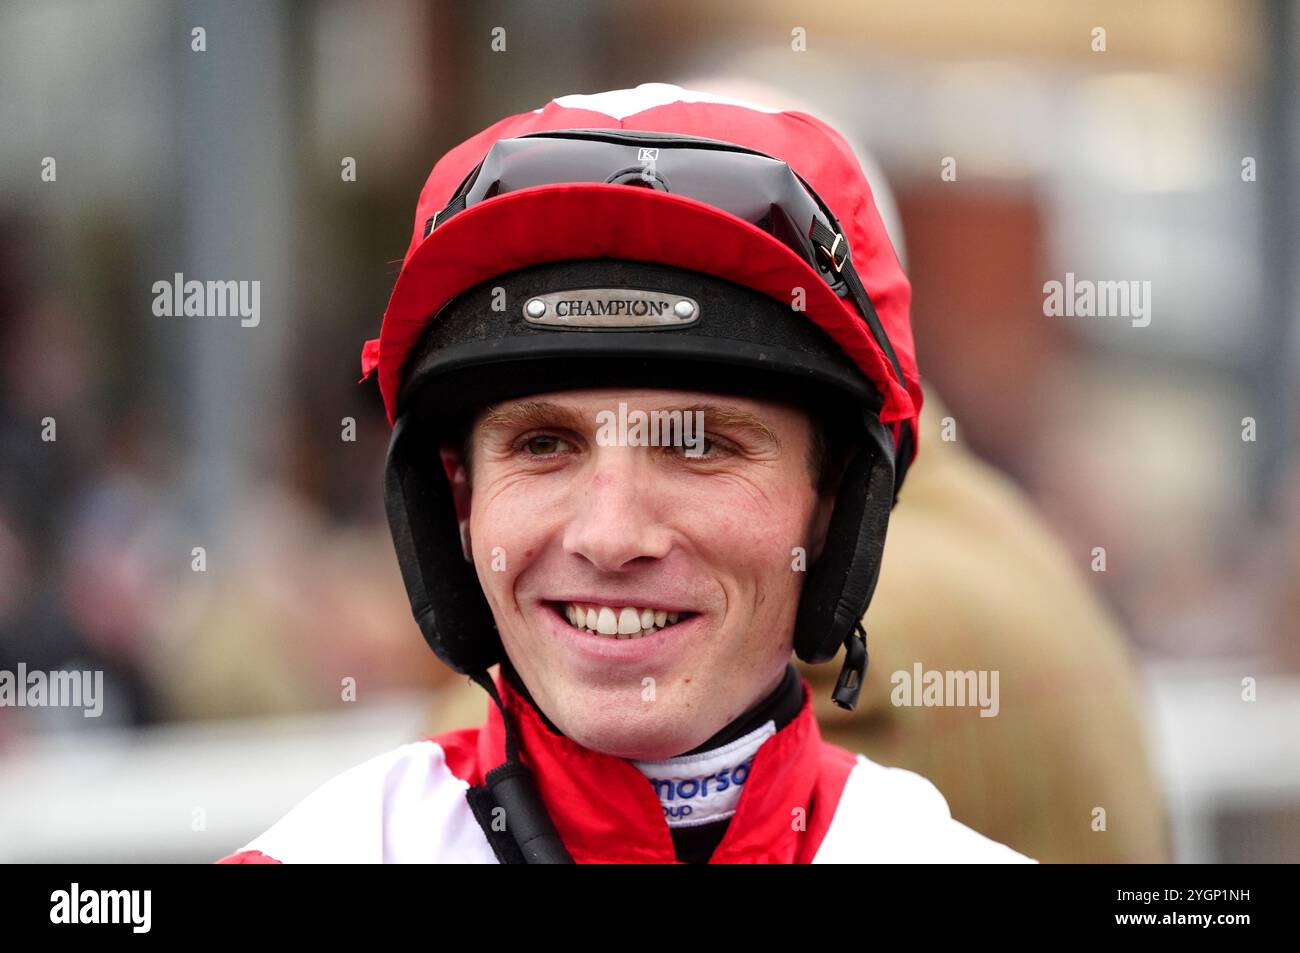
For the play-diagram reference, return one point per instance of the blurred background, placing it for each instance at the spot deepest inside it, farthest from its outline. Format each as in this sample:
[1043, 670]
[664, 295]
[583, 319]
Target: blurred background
[1164, 149]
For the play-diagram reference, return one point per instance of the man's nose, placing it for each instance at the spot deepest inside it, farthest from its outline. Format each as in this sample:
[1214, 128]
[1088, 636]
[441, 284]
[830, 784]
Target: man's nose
[616, 517]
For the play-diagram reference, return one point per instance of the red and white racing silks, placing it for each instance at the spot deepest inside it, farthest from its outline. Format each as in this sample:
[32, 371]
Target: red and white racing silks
[801, 800]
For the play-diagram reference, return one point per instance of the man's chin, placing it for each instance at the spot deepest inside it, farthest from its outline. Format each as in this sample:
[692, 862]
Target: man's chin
[637, 748]
[636, 736]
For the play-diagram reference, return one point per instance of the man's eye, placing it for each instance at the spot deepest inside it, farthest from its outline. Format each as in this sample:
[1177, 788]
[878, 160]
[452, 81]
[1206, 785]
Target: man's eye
[544, 445]
[702, 448]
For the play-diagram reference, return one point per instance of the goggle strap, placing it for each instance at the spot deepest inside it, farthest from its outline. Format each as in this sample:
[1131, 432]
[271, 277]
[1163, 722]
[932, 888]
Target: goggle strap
[836, 248]
[457, 204]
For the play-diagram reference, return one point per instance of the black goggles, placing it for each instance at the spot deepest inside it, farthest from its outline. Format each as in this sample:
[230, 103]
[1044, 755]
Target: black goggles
[749, 184]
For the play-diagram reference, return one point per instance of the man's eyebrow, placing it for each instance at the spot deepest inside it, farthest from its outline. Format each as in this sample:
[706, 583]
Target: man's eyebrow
[527, 414]
[733, 418]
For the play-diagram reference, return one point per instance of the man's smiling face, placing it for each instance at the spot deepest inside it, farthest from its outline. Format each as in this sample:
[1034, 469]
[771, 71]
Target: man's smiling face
[566, 530]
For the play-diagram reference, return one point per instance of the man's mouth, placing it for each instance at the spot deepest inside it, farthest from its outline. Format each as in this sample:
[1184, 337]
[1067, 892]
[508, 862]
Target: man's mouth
[618, 622]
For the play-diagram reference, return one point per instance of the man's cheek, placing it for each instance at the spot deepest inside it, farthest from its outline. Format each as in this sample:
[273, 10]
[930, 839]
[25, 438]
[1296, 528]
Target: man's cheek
[491, 556]
[505, 543]
[770, 538]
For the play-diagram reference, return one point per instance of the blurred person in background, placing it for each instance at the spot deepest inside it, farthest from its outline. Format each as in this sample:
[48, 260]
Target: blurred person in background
[79, 512]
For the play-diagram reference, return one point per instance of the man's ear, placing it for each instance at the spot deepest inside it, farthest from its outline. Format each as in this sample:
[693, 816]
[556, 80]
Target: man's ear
[828, 492]
[458, 478]
[821, 523]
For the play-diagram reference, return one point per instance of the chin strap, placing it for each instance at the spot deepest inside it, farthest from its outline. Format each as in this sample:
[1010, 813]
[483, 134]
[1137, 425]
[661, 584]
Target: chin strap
[508, 806]
[849, 685]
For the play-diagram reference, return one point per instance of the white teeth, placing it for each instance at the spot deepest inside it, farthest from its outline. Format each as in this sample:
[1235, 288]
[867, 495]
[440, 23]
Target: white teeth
[626, 622]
